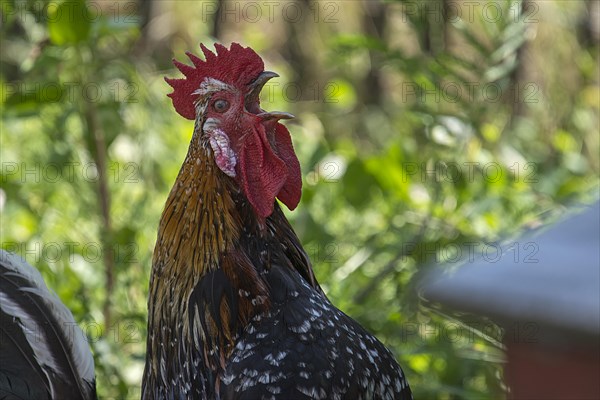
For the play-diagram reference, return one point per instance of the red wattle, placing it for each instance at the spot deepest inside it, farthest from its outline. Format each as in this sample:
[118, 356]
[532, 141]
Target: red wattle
[262, 173]
[268, 172]
[291, 191]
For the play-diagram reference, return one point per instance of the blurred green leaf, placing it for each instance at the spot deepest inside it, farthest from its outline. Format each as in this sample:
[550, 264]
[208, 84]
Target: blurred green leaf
[69, 22]
[358, 184]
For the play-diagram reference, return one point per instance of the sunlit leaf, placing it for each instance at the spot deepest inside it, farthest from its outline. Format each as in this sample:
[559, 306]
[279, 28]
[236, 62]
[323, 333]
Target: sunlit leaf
[69, 21]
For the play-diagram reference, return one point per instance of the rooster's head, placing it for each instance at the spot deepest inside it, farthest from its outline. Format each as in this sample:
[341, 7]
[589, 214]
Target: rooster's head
[248, 144]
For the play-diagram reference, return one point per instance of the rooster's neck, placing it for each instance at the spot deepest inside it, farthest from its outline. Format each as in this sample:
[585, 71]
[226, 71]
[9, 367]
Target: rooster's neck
[198, 221]
[208, 275]
[200, 261]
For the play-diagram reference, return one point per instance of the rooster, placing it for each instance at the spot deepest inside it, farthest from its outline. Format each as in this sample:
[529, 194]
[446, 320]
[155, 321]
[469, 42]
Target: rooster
[234, 309]
[43, 352]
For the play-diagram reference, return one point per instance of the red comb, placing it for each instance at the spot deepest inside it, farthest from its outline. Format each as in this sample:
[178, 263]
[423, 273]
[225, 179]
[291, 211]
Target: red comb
[237, 66]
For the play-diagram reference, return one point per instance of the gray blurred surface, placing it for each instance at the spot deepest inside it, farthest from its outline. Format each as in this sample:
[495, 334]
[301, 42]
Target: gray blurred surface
[561, 288]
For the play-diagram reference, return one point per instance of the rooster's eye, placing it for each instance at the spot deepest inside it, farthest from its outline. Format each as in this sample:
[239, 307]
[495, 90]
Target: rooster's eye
[221, 105]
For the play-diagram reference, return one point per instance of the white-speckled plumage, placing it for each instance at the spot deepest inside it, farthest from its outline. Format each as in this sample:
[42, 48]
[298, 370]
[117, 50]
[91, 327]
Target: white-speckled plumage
[305, 348]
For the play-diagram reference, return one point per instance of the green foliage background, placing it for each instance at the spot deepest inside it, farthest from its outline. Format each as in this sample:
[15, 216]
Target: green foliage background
[422, 127]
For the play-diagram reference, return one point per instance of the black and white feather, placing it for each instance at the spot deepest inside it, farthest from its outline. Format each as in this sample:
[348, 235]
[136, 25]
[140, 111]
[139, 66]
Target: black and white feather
[43, 352]
[305, 348]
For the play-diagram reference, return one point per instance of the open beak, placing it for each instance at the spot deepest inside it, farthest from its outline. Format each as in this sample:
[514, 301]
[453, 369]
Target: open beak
[253, 94]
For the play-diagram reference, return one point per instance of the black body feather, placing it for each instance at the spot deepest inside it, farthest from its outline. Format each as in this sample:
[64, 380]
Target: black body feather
[300, 347]
[305, 348]
[43, 353]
